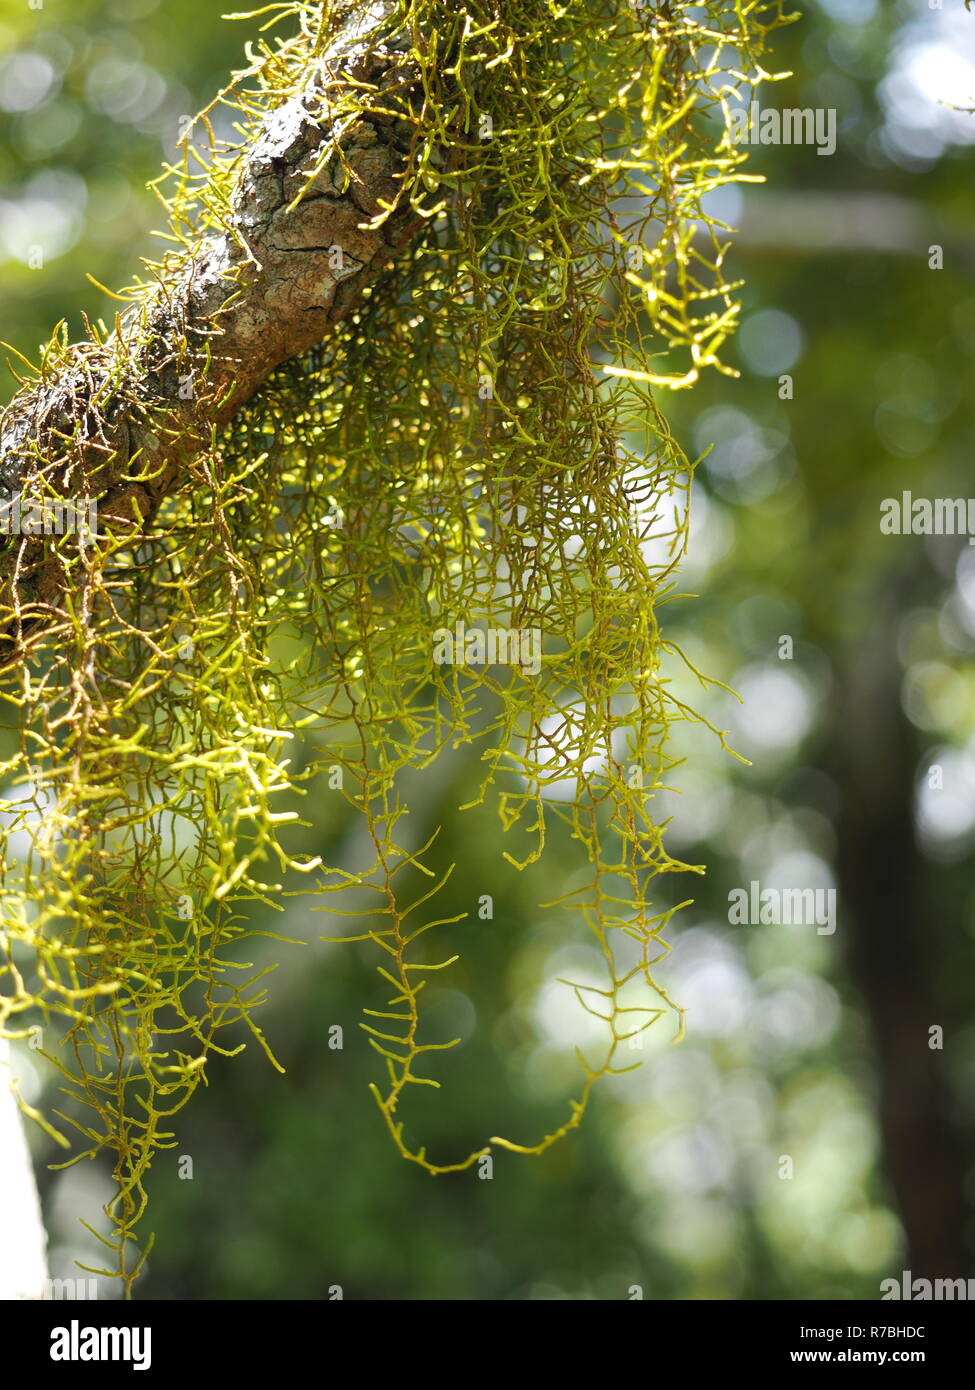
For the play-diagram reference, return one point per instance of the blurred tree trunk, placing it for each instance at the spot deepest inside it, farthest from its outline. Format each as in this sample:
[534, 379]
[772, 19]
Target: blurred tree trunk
[23, 1266]
[890, 939]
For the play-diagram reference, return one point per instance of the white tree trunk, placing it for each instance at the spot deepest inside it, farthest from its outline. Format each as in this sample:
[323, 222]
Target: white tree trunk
[23, 1242]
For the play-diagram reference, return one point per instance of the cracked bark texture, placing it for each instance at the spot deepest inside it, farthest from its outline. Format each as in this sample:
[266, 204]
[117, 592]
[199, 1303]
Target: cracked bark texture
[241, 305]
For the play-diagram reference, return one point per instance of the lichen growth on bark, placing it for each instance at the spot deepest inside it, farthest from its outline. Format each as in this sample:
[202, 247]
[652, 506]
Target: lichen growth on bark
[395, 374]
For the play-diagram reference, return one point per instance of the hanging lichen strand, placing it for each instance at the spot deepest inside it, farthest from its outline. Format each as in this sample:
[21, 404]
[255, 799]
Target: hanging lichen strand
[452, 520]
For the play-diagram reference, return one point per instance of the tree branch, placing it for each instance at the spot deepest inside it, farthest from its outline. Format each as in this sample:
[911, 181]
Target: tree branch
[113, 423]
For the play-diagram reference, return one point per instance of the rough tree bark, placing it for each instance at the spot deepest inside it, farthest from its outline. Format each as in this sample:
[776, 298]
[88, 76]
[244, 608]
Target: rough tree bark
[265, 291]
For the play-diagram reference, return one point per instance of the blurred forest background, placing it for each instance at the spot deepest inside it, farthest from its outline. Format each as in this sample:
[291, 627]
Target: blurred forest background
[860, 731]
